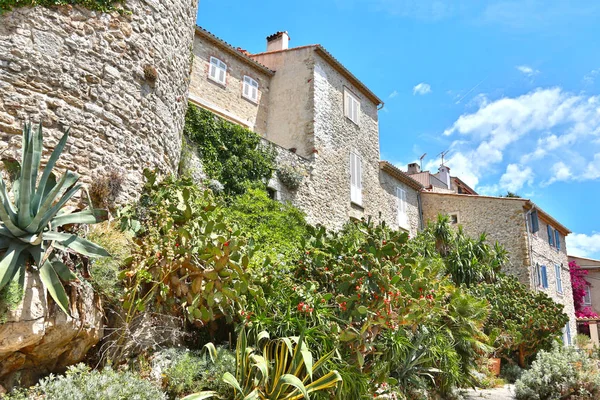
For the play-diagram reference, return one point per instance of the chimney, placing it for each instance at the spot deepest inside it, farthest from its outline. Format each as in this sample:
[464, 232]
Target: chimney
[414, 168]
[444, 175]
[278, 41]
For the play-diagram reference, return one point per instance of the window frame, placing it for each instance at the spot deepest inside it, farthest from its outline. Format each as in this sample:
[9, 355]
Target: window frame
[587, 299]
[251, 87]
[567, 335]
[355, 178]
[216, 66]
[550, 231]
[350, 99]
[558, 273]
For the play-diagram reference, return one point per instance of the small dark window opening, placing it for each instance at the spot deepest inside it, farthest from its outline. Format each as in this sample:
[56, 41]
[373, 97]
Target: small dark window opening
[454, 218]
[272, 193]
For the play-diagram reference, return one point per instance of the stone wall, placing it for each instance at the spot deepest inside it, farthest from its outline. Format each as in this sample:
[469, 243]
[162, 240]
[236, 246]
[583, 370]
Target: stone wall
[227, 100]
[544, 254]
[389, 208]
[502, 219]
[119, 81]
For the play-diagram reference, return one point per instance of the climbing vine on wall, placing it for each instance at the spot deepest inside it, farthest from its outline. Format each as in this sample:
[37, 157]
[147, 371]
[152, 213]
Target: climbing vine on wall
[231, 154]
[97, 5]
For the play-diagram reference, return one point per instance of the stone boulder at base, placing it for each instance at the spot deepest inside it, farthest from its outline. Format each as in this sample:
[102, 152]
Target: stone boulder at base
[38, 337]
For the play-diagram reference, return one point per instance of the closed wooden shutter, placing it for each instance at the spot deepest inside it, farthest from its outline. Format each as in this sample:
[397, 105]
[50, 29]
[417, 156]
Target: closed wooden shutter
[550, 235]
[535, 222]
[557, 239]
[402, 215]
[355, 178]
[558, 278]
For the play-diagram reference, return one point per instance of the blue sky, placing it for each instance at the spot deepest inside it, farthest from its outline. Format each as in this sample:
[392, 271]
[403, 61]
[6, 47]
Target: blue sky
[511, 88]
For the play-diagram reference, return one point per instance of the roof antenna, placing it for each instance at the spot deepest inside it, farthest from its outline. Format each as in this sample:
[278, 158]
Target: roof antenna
[443, 154]
[421, 161]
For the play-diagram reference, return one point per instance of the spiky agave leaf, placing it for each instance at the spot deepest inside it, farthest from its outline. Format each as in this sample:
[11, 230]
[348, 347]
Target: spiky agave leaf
[28, 223]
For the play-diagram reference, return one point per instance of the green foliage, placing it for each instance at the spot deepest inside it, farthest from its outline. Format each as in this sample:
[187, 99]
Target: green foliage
[562, 373]
[189, 372]
[231, 154]
[187, 261]
[10, 298]
[520, 320]
[511, 372]
[82, 383]
[98, 5]
[30, 220]
[290, 176]
[282, 369]
[105, 272]
[276, 228]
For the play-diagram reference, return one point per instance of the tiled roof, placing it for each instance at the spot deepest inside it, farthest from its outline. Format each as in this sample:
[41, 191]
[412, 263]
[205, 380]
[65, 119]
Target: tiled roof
[460, 181]
[241, 54]
[337, 65]
[400, 175]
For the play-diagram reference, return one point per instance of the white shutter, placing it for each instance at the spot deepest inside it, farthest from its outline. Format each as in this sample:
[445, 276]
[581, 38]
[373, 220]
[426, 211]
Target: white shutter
[221, 75]
[254, 94]
[355, 178]
[402, 216]
[558, 278]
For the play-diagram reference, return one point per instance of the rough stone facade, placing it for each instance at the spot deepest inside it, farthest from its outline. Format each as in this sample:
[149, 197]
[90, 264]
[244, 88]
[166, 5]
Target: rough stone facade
[227, 100]
[389, 209]
[119, 81]
[505, 220]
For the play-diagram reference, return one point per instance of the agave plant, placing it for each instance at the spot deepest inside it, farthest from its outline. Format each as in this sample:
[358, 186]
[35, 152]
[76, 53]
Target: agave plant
[283, 370]
[29, 221]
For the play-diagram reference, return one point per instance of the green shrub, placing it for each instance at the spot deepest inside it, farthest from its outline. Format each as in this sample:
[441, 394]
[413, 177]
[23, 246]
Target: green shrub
[82, 383]
[510, 371]
[231, 154]
[189, 372]
[105, 272]
[290, 176]
[277, 229]
[10, 298]
[562, 373]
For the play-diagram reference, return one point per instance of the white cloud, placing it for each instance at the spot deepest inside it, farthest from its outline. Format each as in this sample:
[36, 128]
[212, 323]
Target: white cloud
[393, 94]
[524, 134]
[590, 78]
[422, 88]
[527, 70]
[582, 245]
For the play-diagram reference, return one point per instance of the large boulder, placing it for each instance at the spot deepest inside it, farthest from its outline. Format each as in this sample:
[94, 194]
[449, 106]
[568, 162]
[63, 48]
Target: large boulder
[37, 337]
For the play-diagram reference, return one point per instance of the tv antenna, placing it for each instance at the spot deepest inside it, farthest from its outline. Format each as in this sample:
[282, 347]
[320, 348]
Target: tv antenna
[443, 154]
[421, 161]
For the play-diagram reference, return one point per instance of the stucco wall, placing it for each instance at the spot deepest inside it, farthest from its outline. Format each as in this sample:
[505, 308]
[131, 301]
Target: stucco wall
[290, 119]
[593, 277]
[501, 219]
[389, 209]
[229, 97]
[71, 67]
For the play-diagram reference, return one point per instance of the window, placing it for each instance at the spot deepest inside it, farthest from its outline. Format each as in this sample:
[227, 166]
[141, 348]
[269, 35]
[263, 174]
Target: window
[543, 277]
[550, 235]
[587, 299]
[567, 335]
[250, 90]
[351, 106]
[537, 276]
[454, 219]
[557, 239]
[217, 70]
[535, 222]
[557, 271]
[402, 216]
[355, 178]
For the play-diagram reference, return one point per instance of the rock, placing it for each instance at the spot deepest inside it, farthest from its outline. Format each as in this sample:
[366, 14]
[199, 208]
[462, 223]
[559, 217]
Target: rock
[38, 338]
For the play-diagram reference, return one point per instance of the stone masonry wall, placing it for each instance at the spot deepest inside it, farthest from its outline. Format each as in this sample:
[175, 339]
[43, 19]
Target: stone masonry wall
[501, 219]
[229, 97]
[544, 254]
[119, 81]
[389, 206]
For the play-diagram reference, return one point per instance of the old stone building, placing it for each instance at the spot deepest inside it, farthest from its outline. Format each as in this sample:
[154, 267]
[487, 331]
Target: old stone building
[322, 121]
[591, 299]
[534, 240]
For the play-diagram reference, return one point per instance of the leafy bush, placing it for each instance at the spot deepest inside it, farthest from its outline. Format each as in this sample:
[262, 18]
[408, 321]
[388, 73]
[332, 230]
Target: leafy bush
[82, 383]
[105, 272]
[231, 154]
[106, 188]
[290, 176]
[562, 373]
[10, 298]
[520, 320]
[511, 372]
[277, 229]
[188, 372]
[98, 5]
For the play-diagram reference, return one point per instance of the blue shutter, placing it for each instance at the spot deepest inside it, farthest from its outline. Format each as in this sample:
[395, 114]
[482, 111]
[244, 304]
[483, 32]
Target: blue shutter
[557, 239]
[550, 235]
[535, 223]
[544, 277]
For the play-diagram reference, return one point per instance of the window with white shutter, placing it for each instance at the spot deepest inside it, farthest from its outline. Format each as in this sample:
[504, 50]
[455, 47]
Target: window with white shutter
[355, 179]
[217, 71]
[559, 288]
[351, 106]
[250, 90]
[402, 215]
[587, 299]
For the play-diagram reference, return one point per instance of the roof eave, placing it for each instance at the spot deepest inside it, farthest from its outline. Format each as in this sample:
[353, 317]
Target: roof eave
[400, 175]
[548, 218]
